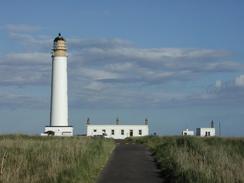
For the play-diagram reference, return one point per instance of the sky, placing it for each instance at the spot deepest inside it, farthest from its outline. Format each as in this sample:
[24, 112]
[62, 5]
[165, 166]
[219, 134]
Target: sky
[178, 63]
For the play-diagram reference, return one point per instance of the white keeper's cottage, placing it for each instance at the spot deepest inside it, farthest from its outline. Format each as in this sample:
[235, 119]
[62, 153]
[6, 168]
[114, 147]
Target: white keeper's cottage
[206, 132]
[117, 131]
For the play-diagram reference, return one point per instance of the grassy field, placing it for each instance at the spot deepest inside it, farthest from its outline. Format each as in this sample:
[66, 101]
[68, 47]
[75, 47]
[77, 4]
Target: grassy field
[198, 160]
[52, 159]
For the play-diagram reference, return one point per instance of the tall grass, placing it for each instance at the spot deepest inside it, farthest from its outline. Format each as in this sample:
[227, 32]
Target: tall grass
[52, 159]
[192, 159]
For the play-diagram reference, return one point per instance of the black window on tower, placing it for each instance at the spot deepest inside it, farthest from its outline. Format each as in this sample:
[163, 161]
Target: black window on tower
[122, 132]
[112, 132]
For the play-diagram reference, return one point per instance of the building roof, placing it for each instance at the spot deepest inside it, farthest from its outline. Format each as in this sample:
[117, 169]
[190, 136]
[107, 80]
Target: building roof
[205, 128]
[117, 125]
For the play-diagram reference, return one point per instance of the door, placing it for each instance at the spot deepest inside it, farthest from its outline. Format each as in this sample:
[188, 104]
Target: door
[131, 133]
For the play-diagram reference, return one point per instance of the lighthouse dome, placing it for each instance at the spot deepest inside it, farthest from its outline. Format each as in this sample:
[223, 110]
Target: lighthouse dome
[59, 46]
[59, 38]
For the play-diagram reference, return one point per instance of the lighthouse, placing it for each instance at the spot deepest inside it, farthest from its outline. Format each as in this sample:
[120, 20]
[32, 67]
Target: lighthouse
[59, 125]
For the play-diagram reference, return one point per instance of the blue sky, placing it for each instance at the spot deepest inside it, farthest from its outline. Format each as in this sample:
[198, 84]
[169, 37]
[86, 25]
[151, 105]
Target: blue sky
[178, 63]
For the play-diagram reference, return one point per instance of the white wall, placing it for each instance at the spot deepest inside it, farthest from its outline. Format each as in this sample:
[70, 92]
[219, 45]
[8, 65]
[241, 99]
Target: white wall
[188, 132]
[59, 131]
[59, 96]
[205, 132]
[93, 130]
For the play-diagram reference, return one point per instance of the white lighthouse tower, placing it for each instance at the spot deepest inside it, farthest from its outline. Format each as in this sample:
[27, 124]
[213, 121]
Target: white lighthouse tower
[59, 125]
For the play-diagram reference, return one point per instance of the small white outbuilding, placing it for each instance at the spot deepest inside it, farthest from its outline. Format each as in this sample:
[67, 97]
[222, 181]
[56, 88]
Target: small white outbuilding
[205, 132]
[187, 132]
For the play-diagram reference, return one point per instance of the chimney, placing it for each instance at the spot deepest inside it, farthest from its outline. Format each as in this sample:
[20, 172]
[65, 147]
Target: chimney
[117, 121]
[146, 121]
[212, 124]
[88, 121]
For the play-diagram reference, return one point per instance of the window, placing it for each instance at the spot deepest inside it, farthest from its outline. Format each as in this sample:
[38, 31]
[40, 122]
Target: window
[94, 130]
[140, 132]
[122, 132]
[112, 132]
[208, 133]
[104, 132]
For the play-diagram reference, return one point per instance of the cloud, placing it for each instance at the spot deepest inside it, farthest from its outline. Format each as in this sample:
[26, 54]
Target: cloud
[95, 74]
[25, 69]
[114, 72]
[32, 42]
[225, 66]
[94, 86]
[230, 92]
[24, 75]
[26, 58]
[132, 64]
[15, 101]
[156, 54]
[233, 84]
[21, 28]
[102, 43]
[169, 57]
[145, 65]
[125, 98]
[28, 36]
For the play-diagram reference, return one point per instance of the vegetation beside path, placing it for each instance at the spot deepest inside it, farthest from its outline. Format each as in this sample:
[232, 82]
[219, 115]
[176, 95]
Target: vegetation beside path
[52, 159]
[198, 160]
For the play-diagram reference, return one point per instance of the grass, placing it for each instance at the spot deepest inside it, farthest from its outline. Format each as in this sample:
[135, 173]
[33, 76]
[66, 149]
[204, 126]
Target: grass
[52, 159]
[198, 160]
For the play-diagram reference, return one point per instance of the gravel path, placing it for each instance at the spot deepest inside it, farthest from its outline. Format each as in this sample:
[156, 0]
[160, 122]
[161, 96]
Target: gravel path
[130, 163]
